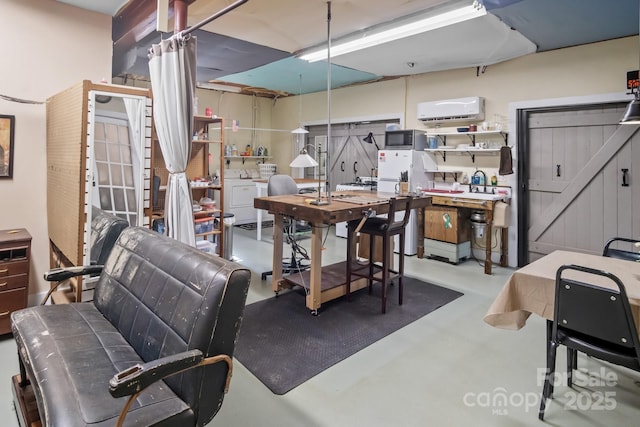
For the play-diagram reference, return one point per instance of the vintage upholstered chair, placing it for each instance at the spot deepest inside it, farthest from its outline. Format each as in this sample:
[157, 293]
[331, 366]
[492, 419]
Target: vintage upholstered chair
[386, 228]
[576, 327]
[282, 185]
[626, 254]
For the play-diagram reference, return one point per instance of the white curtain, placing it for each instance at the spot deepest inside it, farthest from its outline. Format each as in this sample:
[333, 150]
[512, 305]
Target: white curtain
[172, 65]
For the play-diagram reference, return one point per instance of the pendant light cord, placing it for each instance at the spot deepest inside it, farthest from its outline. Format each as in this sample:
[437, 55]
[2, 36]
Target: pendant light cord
[327, 161]
[300, 103]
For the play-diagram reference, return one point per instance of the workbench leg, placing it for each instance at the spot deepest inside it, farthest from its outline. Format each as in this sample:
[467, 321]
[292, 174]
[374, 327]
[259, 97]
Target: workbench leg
[420, 215]
[487, 262]
[504, 252]
[314, 297]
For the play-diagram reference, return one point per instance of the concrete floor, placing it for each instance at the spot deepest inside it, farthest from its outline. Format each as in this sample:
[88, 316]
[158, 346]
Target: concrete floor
[447, 369]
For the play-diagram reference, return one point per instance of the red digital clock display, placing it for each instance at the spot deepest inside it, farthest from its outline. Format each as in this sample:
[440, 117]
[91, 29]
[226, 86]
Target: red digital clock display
[632, 79]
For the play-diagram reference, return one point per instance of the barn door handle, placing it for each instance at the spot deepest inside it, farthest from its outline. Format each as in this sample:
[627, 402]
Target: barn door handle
[342, 166]
[355, 167]
[625, 174]
[557, 170]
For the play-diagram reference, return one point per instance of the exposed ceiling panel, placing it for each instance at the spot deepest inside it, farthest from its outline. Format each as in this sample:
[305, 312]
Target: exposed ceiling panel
[108, 7]
[284, 76]
[477, 42]
[217, 56]
[553, 24]
[292, 25]
[256, 44]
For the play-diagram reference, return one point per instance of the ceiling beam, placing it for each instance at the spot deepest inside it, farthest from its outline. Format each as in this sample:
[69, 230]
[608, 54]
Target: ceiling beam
[135, 21]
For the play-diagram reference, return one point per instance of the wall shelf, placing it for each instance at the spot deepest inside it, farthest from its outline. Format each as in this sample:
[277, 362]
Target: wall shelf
[207, 141]
[472, 152]
[247, 157]
[472, 135]
[454, 173]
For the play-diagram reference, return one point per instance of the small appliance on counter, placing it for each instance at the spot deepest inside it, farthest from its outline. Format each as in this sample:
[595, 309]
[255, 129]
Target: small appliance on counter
[407, 139]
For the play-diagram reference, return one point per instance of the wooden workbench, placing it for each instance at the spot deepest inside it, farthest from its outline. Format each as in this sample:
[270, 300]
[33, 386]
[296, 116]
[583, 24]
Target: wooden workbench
[325, 283]
[488, 207]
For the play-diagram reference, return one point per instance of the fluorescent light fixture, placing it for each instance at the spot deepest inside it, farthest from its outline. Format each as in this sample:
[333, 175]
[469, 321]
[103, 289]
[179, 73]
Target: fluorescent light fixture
[300, 130]
[220, 87]
[399, 31]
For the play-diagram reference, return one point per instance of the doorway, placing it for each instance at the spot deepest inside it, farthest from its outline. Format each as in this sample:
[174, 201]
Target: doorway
[350, 155]
[575, 183]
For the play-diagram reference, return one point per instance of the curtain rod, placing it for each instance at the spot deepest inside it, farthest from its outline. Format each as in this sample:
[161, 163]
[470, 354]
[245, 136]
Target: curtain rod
[214, 16]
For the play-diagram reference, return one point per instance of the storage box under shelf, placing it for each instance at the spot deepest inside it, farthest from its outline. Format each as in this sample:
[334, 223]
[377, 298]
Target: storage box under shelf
[451, 252]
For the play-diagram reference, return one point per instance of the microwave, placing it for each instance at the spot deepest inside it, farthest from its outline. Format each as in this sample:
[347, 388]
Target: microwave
[407, 139]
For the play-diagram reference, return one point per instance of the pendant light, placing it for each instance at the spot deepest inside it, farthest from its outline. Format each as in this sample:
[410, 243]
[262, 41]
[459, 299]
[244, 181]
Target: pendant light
[300, 130]
[632, 113]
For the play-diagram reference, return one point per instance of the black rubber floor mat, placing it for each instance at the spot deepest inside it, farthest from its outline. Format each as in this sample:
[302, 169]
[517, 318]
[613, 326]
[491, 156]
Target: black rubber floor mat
[283, 345]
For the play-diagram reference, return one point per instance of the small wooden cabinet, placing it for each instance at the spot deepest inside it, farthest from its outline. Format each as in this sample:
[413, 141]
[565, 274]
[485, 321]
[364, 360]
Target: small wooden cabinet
[15, 255]
[447, 224]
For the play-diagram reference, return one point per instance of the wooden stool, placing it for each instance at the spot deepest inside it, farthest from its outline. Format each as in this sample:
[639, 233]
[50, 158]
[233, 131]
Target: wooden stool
[386, 228]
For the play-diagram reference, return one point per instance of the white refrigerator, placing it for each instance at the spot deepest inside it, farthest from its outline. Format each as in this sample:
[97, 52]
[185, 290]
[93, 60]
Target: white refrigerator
[390, 165]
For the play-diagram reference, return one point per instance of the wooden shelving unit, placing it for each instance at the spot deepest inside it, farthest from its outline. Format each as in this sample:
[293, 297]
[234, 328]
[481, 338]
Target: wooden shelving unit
[472, 151]
[198, 167]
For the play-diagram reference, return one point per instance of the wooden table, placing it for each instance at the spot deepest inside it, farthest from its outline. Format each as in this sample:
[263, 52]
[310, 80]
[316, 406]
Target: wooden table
[488, 207]
[531, 289]
[261, 190]
[325, 283]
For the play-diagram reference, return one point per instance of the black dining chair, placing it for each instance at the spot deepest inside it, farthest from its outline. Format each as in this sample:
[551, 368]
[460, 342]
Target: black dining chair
[616, 252]
[386, 228]
[577, 326]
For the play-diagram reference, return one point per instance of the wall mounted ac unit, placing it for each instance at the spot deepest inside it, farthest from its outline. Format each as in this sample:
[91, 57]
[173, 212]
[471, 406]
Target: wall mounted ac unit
[449, 110]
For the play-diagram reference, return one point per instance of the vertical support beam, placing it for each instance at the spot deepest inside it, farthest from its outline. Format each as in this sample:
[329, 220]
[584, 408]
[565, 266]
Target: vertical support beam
[180, 15]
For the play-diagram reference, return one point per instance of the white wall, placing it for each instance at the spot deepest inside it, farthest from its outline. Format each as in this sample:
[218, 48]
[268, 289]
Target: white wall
[48, 47]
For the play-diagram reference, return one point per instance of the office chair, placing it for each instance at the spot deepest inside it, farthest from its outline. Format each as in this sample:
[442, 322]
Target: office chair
[628, 255]
[387, 228]
[577, 327]
[281, 185]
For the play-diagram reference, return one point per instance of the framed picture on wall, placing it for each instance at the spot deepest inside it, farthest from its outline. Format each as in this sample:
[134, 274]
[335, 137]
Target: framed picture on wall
[7, 125]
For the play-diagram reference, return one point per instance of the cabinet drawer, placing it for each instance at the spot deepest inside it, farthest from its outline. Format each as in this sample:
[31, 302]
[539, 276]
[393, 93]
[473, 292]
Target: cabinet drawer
[11, 301]
[13, 282]
[243, 195]
[12, 268]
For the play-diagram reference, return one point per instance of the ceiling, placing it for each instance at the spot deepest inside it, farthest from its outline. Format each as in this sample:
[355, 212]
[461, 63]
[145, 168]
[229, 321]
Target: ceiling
[254, 47]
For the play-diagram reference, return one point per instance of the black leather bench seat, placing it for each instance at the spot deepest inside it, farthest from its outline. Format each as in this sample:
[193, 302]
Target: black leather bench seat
[156, 300]
[72, 361]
